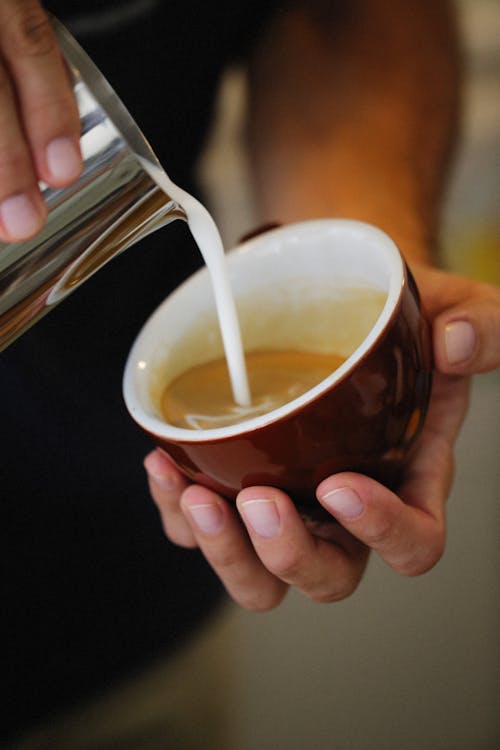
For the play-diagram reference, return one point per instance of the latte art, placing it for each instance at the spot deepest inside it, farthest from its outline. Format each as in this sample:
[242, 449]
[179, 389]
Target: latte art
[201, 397]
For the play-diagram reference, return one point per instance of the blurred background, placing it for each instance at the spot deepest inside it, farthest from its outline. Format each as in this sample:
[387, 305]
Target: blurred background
[403, 663]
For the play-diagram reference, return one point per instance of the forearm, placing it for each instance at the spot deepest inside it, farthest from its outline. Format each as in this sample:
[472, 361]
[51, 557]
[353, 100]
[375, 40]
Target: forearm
[355, 116]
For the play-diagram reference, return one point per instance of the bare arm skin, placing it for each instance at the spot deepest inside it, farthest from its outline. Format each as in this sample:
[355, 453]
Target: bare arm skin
[354, 114]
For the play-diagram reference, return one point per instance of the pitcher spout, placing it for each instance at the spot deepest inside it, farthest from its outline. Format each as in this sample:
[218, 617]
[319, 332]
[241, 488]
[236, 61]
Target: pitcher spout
[139, 210]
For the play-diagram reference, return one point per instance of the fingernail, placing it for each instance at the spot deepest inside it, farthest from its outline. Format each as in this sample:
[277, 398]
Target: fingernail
[343, 502]
[208, 517]
[263, 517]
[460, 341]
[159, 471]
[63, 159]
[20, 217]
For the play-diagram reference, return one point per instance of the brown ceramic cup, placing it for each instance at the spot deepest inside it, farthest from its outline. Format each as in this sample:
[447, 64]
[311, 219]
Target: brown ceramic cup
[297, 286]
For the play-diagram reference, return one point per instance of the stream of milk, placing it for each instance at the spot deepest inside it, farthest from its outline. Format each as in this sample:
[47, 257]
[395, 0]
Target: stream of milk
[208, 239]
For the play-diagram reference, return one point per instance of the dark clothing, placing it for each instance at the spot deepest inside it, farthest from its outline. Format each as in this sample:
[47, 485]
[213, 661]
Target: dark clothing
[92, 591]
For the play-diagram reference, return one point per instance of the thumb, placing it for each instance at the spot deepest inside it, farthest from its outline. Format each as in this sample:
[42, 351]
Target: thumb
[467, 337]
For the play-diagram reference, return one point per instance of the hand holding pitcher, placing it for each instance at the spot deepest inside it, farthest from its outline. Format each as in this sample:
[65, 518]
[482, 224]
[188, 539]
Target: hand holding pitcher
[39, 121]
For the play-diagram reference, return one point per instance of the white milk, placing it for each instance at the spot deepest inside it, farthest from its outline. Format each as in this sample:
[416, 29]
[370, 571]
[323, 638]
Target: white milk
[207, 237]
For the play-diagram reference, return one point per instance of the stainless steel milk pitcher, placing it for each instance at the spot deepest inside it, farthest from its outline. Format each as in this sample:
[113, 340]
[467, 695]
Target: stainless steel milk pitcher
[114, 203]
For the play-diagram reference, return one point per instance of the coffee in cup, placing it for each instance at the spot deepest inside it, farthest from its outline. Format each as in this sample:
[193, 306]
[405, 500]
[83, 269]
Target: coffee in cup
[297, 352]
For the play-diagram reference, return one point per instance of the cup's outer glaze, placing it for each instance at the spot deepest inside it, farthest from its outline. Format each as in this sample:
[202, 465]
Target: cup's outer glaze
[367, 422]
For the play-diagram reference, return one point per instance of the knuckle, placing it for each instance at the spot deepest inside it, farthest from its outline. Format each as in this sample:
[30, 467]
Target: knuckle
[30, 32]
[420, 563]
[331, 597]
[423, 558]
[178, 534]
[223, 558]
[343, 590]
[380, 531]
[181, 540]
[289, 565]
[261, 601]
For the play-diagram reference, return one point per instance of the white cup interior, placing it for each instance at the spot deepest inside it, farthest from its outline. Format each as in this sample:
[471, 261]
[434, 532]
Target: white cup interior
[320, 266]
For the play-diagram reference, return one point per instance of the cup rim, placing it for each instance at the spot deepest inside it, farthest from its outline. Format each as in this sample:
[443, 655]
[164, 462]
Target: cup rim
[161, 429]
